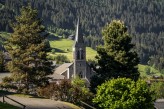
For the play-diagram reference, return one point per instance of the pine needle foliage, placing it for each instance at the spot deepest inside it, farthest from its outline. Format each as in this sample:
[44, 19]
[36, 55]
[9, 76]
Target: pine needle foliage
[28, 49]
[116, 58]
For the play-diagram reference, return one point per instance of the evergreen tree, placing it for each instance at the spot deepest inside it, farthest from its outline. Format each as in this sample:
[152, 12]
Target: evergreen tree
[28, 49]
[116, 58]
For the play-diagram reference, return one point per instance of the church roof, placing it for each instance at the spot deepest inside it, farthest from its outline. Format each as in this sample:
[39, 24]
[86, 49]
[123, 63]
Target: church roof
[159, 104]
[79, 36]
[62, 68]
[56, 76]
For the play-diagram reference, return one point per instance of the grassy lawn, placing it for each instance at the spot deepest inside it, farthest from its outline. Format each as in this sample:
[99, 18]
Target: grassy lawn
[143, 73]
[61, 46]
[64, 47]
[7, 106]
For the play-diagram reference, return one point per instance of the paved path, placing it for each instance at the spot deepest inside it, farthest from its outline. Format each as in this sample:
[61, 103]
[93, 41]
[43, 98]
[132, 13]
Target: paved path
[36, 103]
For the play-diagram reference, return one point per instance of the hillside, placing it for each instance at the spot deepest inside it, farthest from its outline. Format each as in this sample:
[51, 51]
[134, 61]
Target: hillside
[144, 19]
[64, 47]
[60, 45]
[148, 71]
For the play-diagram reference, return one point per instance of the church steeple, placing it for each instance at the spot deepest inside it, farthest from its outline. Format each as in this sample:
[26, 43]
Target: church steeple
[79, 53]
[78, 37]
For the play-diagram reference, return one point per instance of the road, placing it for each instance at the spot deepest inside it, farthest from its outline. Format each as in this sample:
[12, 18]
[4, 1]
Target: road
[39, 103]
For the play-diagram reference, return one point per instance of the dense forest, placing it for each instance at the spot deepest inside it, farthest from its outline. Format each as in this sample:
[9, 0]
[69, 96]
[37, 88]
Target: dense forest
[144, 19]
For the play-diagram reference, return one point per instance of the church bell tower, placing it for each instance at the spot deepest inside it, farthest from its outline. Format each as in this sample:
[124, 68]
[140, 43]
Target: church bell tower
[79, 54]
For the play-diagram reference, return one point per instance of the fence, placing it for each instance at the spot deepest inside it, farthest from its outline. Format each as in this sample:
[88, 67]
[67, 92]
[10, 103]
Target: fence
[4, 96]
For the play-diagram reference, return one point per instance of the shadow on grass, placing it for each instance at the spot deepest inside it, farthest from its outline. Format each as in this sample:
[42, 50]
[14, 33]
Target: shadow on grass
[52, 37]
[59, 50]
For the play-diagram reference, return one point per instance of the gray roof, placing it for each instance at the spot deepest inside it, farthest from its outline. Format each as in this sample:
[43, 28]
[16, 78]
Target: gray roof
[56, 76]
[59, 70]
[62, 68]
[159, 104]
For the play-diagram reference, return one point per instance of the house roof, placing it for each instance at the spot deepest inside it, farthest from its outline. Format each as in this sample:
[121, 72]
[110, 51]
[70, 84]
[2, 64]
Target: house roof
[62, 68]
[159, 104]
[56, 76]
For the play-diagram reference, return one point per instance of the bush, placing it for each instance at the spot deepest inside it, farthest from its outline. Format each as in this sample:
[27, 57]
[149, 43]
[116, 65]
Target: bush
[124, 93]
[158, 88]
[65, 91]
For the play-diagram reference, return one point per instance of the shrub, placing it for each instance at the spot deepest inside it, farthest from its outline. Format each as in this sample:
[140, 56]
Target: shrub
[124, 93]
[65, 91]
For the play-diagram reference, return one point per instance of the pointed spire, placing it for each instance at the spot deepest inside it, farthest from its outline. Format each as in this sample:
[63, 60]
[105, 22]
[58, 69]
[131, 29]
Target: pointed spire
[78, 37]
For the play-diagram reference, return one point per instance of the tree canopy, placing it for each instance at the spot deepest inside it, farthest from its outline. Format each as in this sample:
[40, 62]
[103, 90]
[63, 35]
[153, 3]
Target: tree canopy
[124, 93]
[117, 57]
[28, 50]
[144, 20]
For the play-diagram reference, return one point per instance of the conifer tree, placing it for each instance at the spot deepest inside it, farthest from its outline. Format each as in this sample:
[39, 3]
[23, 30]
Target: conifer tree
[117, 57]
[28, 50]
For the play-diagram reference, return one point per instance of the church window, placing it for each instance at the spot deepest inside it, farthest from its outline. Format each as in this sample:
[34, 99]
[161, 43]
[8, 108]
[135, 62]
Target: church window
[81, 74]
[78, 55]
[82, 54]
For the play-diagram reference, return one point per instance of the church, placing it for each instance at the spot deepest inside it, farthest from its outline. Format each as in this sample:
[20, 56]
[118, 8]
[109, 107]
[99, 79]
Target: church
[79, 66]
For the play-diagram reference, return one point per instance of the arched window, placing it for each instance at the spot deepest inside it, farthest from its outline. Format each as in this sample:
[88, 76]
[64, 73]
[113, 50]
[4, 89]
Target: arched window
[81, 75]
[82, 54]
[78, 55]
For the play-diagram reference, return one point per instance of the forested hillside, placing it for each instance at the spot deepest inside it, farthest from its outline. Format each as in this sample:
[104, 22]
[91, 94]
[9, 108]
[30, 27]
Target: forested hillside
[144, 19]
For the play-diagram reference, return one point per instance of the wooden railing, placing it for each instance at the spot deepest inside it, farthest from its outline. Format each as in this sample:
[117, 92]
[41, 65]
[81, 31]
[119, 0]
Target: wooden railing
[86, 106]
[4, 96]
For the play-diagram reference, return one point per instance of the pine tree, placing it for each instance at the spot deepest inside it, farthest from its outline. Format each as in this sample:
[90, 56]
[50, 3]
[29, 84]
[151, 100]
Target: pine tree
[117, 57]
[28, 49]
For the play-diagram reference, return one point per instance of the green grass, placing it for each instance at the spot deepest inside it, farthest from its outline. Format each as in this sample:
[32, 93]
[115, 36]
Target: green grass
[153, 71]
[7, 106]
[23, 95]
[61, 46]
[64, 47]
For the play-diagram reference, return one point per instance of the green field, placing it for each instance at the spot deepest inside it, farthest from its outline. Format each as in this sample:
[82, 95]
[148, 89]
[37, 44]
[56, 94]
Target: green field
[61, 46]
[64, 46]
[148, 71]
[7, 106]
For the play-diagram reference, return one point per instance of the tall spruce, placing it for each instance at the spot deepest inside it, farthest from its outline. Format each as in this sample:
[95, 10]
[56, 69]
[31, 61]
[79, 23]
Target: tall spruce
[116, 58]
[28, 49]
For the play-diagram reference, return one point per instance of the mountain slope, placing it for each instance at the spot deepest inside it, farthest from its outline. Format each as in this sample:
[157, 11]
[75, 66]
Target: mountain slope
[144, 19]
